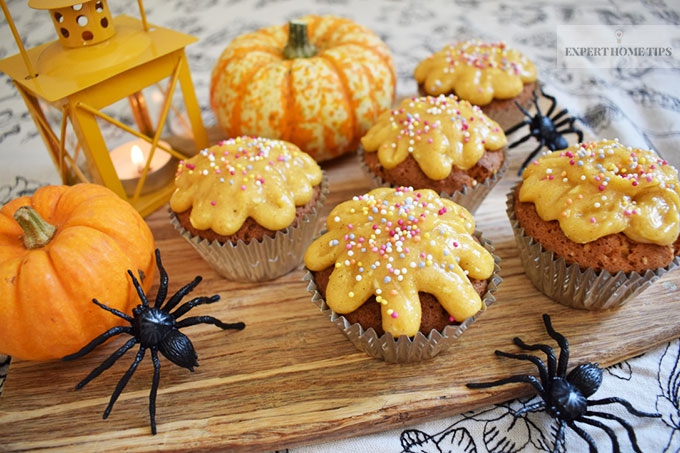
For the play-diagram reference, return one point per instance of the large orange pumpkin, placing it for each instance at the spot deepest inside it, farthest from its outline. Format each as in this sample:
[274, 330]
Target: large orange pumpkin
[319, 82]
[78, 247]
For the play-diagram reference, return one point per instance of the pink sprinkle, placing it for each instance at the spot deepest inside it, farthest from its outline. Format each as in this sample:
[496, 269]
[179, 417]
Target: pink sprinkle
[442, 211]
[243, 187]
[593, 220]
[394, 314]
[213, 202]
[190, 166]
[601, 187]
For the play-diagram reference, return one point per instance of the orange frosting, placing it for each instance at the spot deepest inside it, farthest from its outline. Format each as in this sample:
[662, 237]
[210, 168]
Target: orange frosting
[438, 132]
[599, 188]
[476, 71]
[393, 243]
[245, 177]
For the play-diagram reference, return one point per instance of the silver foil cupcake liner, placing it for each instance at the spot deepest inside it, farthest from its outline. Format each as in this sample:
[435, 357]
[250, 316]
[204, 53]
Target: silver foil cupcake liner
[260, 260]
[406, 349]
[572, 285]
[469, 197]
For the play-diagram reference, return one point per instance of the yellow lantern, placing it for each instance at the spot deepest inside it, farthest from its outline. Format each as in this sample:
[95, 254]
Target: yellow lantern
[96, 62]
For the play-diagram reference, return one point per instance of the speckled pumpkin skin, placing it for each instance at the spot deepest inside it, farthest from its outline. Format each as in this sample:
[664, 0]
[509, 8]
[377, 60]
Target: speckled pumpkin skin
[323, 104]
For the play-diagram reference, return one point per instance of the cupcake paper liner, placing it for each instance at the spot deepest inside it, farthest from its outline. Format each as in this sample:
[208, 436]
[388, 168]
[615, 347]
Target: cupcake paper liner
[405, 349]
[572, 285]
[260, 260]
[469, 197]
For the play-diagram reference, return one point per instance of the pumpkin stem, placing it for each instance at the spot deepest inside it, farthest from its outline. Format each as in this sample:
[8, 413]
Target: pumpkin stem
[298, 45]
[37, 232]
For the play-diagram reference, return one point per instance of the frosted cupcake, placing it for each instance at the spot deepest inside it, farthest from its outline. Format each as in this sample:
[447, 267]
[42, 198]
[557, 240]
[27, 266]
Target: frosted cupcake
[401, 272]
[437, 143]
[490, 75]
[596, 223]
[249, 206]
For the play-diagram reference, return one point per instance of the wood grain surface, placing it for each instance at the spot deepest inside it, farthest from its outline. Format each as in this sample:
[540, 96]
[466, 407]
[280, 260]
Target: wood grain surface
[291, 378]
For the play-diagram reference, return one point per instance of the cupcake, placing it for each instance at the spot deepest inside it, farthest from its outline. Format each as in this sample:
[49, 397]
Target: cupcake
[596, 223]
[401, 272]
[490, 75]
[437, 143]
[249, 206]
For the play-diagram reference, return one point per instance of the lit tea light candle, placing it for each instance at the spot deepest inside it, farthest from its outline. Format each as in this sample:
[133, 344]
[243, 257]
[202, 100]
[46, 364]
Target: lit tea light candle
[129, 160]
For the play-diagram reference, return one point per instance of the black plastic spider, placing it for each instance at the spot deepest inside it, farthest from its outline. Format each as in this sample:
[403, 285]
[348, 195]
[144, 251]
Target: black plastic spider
[565, 396]
[154, 328]
[546, 129]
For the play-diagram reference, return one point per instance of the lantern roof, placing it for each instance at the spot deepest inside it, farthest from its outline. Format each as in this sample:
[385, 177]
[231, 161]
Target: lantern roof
[54, 4]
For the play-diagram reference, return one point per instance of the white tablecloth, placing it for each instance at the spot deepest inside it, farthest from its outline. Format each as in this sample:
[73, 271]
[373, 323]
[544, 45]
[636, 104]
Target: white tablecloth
[640, 106]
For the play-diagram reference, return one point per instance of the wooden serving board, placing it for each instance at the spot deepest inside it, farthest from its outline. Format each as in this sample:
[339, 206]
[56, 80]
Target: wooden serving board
[291, 378]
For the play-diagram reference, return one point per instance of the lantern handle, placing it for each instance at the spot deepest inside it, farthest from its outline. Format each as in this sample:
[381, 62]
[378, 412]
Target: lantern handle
[17, 38]
[142, 14]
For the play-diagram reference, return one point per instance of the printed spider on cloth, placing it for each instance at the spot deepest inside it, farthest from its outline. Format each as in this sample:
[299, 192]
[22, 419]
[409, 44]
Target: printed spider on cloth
[549, 131]
[565, 396]
[157, 329]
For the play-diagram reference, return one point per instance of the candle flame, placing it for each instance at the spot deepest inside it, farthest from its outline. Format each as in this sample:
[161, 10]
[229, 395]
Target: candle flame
[137, 158]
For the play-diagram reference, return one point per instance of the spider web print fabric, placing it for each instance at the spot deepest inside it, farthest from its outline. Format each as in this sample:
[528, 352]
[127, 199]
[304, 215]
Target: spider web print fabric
[639, 106]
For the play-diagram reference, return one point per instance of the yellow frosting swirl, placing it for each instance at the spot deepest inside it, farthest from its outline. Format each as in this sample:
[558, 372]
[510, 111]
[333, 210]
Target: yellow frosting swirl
[393, 243]
[245, 177]
[476, 71]
[439, 132]
[599, 188]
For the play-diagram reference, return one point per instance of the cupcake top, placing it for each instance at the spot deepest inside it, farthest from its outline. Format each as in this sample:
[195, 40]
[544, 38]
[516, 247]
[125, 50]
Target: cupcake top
[595, 189]
[476, 71]
[245, 177]
[393, 243]
[438, 132]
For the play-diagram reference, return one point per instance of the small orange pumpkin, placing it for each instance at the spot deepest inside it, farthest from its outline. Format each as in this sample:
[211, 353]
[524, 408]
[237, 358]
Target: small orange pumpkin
[319, 82]
[59, 249]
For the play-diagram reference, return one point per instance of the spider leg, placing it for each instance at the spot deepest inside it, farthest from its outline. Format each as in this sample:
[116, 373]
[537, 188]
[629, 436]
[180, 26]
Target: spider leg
[520, 141]
[562, 342]
[559, 436]
[547, 350]
[573, 130]
[559, 115]
[520, 378]
[530, 157]
[610, 432]
[97, 341]
[118, 313]
[517, 126]
[531, 408]
[626, 426]
[154, 389]
[185, 307]
[584, 435]
[124, 380]
[106, 364]
[624, 403]
[553, 102]
[163, 288]
[183, 291]
[533, 359]
[192, 321]
[138, 287]
[568, 120]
